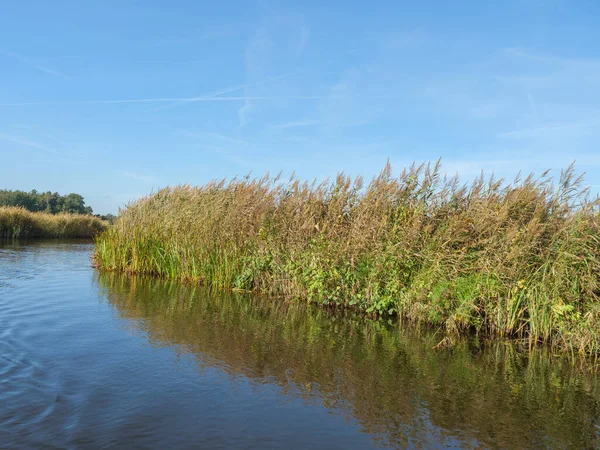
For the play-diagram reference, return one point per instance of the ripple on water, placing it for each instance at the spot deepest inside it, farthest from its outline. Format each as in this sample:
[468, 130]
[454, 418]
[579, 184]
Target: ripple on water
[156, 364]
[32, 294]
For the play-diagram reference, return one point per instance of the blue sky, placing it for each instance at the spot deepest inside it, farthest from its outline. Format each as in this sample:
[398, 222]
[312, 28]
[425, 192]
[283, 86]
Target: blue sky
[114, 99]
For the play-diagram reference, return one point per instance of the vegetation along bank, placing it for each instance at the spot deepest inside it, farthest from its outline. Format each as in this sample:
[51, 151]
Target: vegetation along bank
[49, 202]
[518, 260]
[17, 222]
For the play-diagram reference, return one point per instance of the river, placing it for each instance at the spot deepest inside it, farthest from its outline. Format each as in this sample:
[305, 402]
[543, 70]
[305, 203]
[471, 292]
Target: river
[97, 360]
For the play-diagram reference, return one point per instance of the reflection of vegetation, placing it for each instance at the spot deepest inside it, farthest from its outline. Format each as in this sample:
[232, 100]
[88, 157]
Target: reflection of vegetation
[389, 379]
[519, 260]
[20, 223]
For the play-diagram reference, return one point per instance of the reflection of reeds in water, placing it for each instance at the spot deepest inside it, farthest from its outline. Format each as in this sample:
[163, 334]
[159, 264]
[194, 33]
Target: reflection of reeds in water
[389, 379]
[20, 223]
[519, 260]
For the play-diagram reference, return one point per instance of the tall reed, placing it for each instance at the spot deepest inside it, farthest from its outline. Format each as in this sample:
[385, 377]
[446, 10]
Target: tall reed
[519, 260]
[19, 223]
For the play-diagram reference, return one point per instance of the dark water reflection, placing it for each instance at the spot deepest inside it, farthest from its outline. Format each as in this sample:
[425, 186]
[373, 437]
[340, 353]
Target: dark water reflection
[157, 364]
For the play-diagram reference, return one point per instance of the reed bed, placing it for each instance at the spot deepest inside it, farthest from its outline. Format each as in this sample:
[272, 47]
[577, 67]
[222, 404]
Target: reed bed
[517, 260]
[17, 222]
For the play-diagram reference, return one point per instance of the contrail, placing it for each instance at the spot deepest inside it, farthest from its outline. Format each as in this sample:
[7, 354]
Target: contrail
[226, 90]
[19, 140]
[33, 64]
[200, 99]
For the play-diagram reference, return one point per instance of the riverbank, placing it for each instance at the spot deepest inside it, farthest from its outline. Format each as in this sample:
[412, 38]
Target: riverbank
[73, 337]
[19, 223]
[519, 260]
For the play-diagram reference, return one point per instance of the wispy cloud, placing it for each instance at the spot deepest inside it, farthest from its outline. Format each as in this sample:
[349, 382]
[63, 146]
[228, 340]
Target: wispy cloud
[346, 106]
[549, 130]
[66, 162]
[33, 64]
[208, 33]
[140, 177]
[532, 105]
[217, 93]
[304, 38]
[171, 63]
[215, 143]
[295, 124]
[92, 102]
[213, 136]
[52, 137]
[332, 97]
[279, 43]
[24, 141]
[182, 101]
[38, 143]
[552, 59]
[228, 155]
[527, 81]
[257, 53]
[232, 157]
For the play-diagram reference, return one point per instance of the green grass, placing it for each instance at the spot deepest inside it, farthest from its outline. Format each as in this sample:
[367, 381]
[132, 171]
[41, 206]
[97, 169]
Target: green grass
[517, 260]
[19, 223]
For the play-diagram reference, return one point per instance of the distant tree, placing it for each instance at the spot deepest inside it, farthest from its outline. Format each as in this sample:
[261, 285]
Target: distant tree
[74, 203]
[110, 218]
[50, 202]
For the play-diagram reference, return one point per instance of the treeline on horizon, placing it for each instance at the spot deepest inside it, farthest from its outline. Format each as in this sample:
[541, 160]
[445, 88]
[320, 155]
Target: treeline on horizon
[49, 203]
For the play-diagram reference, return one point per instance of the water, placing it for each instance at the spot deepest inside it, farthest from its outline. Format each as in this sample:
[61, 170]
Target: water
[90, 360]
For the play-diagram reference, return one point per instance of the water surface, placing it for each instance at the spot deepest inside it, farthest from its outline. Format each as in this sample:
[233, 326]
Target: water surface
[92, 360]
